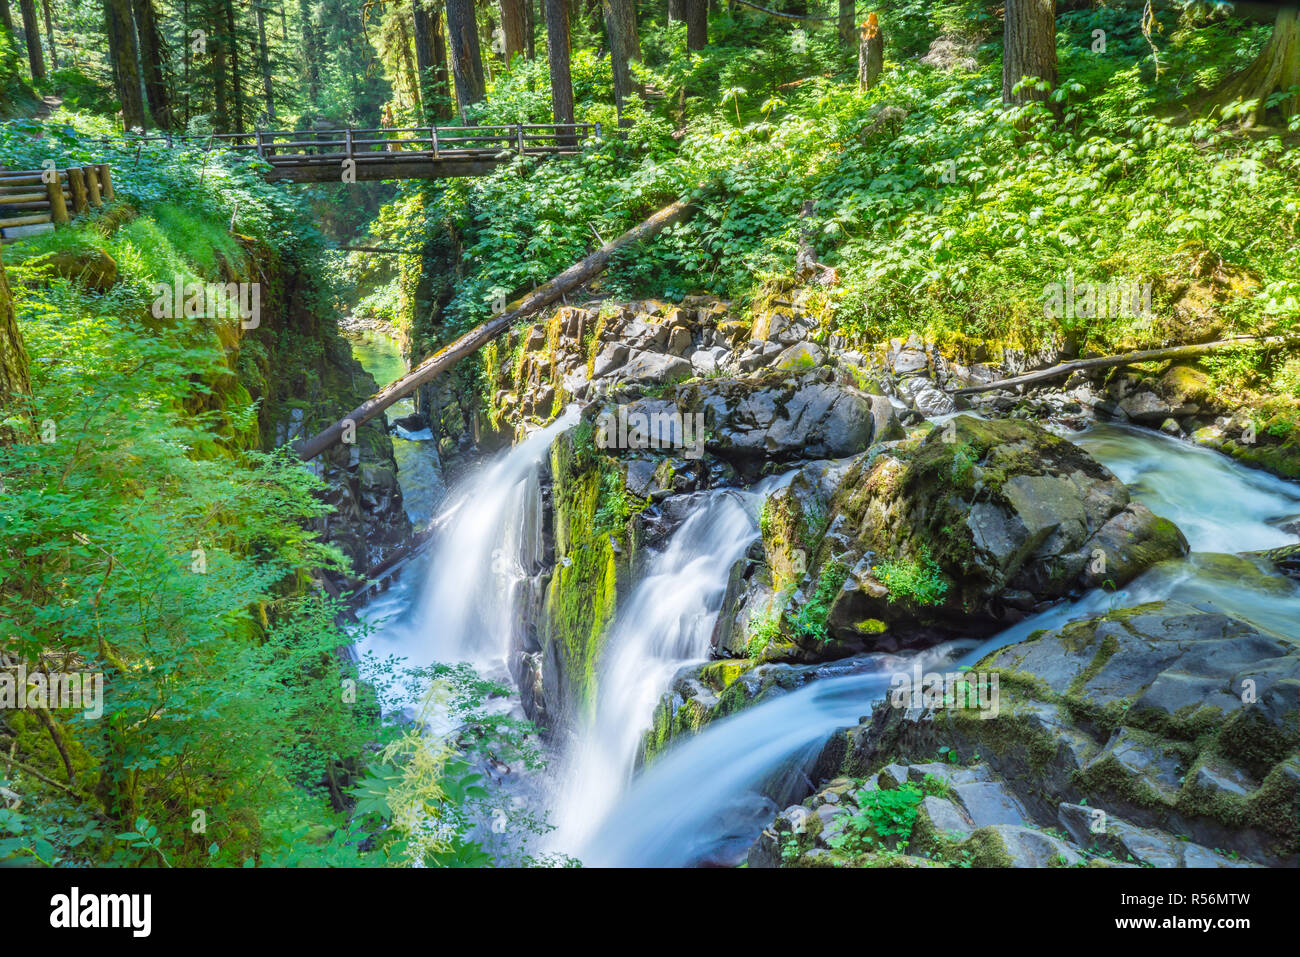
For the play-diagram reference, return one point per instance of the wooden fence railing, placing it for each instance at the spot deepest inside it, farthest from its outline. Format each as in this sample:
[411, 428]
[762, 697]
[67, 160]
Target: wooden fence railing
[29, 204]
[287, 150]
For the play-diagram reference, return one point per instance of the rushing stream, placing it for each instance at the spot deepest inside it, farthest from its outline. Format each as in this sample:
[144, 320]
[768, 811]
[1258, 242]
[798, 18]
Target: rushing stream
[705, 799]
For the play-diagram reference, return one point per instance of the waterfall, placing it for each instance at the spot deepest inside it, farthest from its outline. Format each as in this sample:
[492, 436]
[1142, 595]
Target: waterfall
[666, 622]
[701, 801]
[486, 548]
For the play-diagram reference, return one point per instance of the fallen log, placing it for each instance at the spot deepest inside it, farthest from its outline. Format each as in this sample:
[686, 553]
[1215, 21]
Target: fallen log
[1127, 358]
[481, 335]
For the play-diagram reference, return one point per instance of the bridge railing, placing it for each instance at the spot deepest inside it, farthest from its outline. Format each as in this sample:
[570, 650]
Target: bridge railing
[34, 201]
[295, 147]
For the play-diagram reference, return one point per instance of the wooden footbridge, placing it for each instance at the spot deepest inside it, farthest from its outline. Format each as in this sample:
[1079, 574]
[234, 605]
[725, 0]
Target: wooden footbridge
[349, 155]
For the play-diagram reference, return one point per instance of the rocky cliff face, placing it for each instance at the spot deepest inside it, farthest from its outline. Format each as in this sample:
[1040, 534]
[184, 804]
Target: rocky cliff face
[301, 370]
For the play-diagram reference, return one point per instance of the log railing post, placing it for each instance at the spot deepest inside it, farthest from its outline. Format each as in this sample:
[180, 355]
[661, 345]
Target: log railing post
[261, 153]
[92, 185]
[106, 183]
[77, 180]
[347, 143]
[58, 208]
[520, 133]
[433, 138]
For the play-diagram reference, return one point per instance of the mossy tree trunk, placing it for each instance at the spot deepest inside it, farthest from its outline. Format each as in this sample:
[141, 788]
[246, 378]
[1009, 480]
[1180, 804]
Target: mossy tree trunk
[153, 62]
[15, 377]
[1276, 68]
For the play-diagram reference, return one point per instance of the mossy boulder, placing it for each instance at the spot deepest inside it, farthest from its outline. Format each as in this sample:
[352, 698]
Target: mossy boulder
[975, 525]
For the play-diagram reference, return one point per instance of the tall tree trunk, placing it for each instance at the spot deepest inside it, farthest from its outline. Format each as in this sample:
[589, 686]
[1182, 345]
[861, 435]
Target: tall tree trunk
[6, 17]
[264, 58]
[514, 24]
[153, 64]
[311, 50]
[676, 10]
[624, 15]
[430, 59]
[697, 24]
[217, 44]
[871, 53]
[236, 80]
[1276, 68]
[1028, 48]
[408, 64]
[123, 51]
[530, 7]
[618, 59]
[845, 23]
[15, 375]
[32, 32]
[557, 52]
[466, 60]
[49, 33]
[441, 76]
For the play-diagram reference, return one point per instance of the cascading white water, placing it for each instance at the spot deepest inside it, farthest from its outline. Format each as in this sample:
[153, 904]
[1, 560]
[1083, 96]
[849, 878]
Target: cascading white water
[1219, 505]
[670, 816]
[666, 622]
[465, 612]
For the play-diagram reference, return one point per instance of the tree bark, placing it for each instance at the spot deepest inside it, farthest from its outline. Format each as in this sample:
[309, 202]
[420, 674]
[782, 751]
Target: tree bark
[676, 10]
[871, 53]
[514, 24]
[466, 60]
[845, 23]
[7, 18]
[1028, 48]
[264, 61]
[217, 44]
[430, 59]
[625, 17]
[123, 52]
[616, 11]
[481, 335]
[49, 33]
[15, 374]
[236, 80]
[697, 24]
[32, 33]
[557, 52]
[153, 63]
[311, 48]
[1276, 68]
